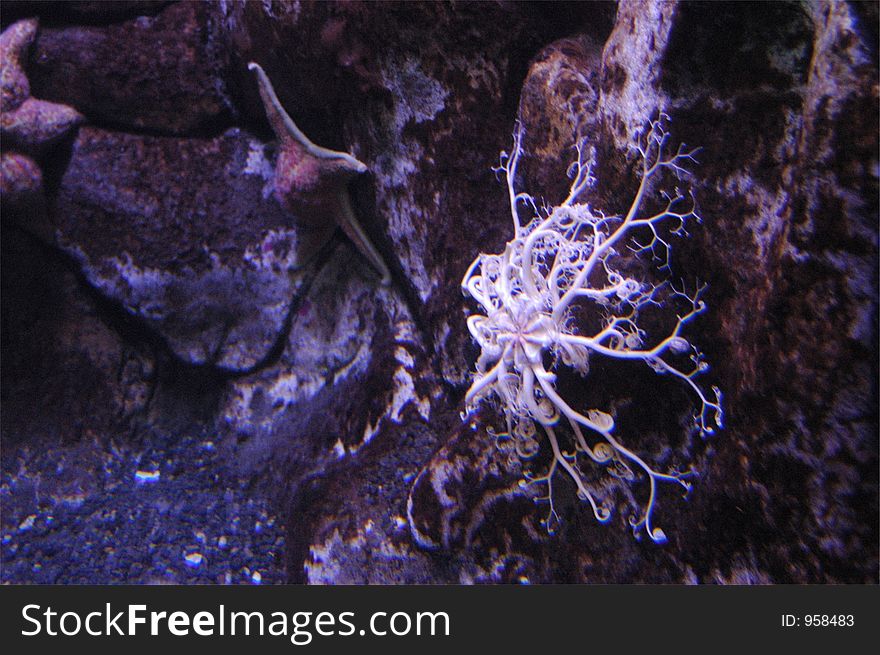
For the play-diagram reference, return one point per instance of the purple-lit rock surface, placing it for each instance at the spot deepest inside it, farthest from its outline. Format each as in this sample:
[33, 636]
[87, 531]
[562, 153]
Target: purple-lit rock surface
[173, 339]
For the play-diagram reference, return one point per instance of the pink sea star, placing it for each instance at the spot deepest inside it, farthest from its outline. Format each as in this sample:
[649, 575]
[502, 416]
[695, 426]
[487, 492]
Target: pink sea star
[27, 125]
[312, 182]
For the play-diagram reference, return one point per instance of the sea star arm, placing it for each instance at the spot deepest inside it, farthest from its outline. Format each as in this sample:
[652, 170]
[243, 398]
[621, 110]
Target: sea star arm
[284, 127]
[353, 230]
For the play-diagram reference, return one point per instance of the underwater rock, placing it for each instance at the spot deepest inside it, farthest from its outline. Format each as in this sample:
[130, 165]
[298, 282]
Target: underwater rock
[183, 234]
[162, 73]
[68, 374]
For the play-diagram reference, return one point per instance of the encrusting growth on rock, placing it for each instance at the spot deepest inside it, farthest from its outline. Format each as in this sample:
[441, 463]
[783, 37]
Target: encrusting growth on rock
[312, 182]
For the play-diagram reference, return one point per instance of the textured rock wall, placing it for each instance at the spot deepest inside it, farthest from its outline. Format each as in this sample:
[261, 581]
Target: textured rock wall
[183, 292]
